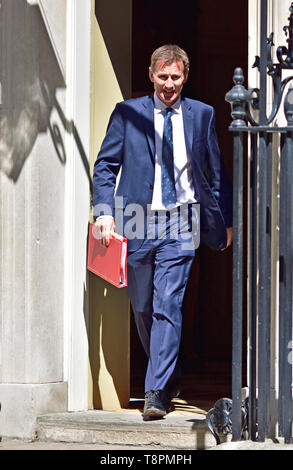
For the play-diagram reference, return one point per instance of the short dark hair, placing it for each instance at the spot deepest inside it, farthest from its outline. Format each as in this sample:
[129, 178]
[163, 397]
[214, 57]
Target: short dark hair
[169, 53]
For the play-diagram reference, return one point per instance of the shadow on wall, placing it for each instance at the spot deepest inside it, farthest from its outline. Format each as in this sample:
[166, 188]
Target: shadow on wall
[115, 29]
[108, 351]
[29, 78]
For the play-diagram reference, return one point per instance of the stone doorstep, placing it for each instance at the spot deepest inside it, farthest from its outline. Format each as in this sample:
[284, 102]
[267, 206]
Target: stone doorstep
[175, 431]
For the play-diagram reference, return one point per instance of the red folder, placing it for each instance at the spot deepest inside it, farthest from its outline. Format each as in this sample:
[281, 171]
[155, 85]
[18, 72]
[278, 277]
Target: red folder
[110, 263]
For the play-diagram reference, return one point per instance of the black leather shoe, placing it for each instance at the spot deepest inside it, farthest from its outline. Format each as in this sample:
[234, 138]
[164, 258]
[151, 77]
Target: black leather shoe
[153, 406]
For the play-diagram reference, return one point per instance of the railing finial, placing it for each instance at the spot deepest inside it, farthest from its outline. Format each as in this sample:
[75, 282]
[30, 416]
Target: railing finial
[288, 106]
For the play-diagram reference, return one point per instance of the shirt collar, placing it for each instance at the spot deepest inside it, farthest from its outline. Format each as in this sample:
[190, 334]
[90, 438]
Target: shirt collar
[160, 106]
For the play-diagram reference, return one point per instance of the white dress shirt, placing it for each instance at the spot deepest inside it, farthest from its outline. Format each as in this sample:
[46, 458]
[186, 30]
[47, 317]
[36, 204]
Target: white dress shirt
[182, 167]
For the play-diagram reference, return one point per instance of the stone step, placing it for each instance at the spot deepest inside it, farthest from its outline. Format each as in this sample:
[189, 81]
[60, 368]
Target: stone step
[175, 431]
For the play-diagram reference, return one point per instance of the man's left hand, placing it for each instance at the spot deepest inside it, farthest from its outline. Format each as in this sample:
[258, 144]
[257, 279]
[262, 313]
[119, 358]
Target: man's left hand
[229, 231]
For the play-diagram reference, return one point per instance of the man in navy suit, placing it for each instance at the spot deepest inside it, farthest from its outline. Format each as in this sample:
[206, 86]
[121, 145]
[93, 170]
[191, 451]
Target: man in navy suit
[166, 148]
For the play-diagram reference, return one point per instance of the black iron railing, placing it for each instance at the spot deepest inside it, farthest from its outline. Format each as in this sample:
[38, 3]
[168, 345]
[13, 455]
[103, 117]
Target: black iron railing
[254, 414]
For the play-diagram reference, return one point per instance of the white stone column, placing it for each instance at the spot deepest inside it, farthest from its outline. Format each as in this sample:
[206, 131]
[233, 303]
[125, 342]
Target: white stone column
[77, 203]
[33, 159]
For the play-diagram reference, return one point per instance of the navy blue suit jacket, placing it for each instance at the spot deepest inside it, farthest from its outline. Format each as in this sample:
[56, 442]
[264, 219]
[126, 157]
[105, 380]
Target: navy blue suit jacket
[130, 143]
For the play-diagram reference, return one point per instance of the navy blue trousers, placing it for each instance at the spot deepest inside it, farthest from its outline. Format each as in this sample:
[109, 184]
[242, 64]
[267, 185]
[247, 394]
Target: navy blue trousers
[157, 276]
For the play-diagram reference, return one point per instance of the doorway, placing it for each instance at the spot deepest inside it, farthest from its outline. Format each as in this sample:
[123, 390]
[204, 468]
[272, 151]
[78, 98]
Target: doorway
[216, 41]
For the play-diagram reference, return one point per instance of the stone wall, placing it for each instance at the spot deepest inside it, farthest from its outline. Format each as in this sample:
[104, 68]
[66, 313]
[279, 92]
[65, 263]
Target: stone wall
[33, 162]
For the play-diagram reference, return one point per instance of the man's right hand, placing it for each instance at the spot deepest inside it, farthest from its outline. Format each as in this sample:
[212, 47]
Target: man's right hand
[103, 227]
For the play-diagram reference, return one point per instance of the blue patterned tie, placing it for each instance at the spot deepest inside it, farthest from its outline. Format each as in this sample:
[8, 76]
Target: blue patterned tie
[168, 182]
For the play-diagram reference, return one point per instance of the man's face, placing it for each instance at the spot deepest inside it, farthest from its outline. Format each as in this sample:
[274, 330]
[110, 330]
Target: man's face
[168, 80]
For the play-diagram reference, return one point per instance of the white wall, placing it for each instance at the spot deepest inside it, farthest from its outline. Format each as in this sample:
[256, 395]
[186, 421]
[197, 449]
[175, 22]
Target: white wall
[77, 203]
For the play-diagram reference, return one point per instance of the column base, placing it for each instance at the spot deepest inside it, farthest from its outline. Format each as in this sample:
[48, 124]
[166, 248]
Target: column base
[22, 403]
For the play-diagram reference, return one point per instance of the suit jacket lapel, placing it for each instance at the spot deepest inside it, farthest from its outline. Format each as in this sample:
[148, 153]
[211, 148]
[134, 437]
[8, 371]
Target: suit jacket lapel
[189, 123]
[147, 116]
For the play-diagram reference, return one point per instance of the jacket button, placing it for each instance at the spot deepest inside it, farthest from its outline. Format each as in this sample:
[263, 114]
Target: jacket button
[151, 186]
